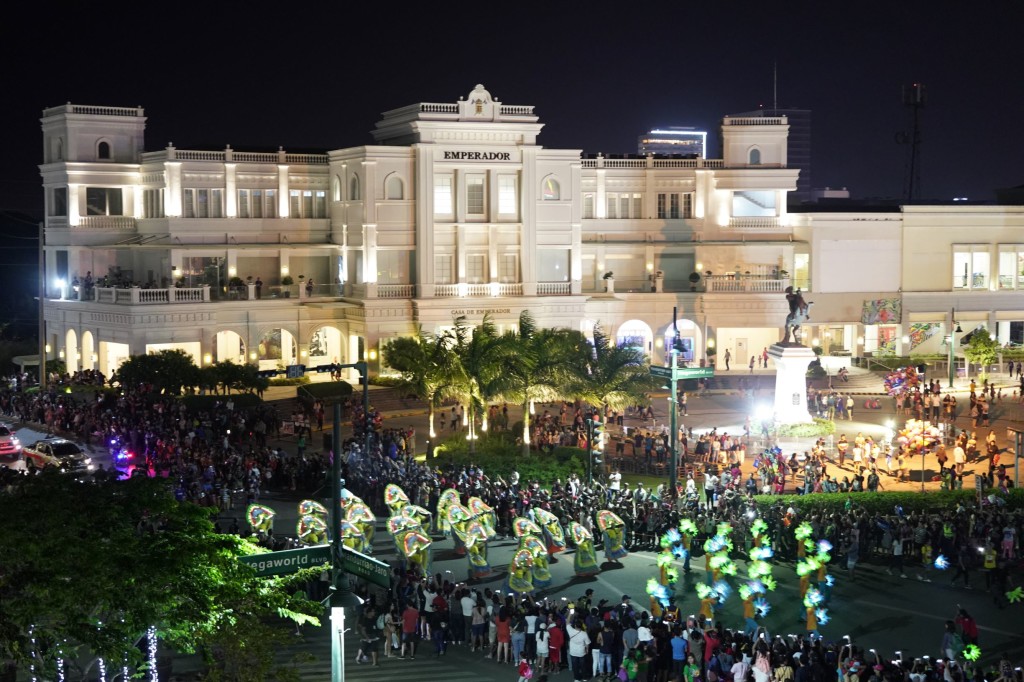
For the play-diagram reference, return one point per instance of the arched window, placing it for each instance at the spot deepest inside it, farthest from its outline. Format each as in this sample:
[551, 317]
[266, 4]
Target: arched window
[394, 188]
[336, 189]
[353, 189]
[755, 157]
[103, 151]
[551, 190]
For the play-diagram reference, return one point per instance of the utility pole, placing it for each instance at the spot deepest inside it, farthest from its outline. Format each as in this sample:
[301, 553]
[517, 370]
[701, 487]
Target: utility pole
[42, 310]
[341, 590]
[674, 442]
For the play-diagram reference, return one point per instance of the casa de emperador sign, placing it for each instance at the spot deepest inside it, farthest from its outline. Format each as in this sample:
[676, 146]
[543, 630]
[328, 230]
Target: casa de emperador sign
[477, 156]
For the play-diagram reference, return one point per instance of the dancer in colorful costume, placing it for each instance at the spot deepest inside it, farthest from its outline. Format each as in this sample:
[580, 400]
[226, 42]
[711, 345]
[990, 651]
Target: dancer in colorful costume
[584, 562]
[311, 529]
[313, 507]
[553, 533]
[476, 549]
[414, 545]
[613, 529]
[395, 498]
[458, 517]
[483, 513]
[261, 518]
[448, 496]
[360, 515]
[520, 573]
[541, 572]
[352, 536]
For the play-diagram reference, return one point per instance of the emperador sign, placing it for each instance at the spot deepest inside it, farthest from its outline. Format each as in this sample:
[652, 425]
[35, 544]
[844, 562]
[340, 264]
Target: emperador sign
[477, 156]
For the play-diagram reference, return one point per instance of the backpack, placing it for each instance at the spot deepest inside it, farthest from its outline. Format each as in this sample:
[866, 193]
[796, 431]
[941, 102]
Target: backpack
[957, 643]
[380, 622]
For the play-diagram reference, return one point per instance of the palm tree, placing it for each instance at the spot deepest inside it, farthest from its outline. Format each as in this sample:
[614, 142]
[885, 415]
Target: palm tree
[428, 367]
[480, 354]
[610, 376]
[538, 369]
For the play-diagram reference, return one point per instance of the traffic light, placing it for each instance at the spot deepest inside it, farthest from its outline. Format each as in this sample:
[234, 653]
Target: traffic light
[596, 439]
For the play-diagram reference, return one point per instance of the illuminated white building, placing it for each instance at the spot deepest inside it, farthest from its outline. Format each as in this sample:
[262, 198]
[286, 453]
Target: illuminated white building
[455, 210]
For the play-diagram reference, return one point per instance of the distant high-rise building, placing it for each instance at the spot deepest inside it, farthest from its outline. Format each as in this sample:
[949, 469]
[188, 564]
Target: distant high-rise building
[687, 141]
[799, 147]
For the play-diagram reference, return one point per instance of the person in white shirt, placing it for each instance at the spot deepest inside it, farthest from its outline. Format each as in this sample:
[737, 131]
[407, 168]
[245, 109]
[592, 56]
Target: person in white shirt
[467, 602]
[579, 644]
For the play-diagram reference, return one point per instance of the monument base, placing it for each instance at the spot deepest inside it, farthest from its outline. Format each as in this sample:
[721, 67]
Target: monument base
[791, 362]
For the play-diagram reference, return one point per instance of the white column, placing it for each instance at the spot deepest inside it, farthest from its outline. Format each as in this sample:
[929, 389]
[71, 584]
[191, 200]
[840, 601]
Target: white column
[576, 260]
[424, 187]
[172, 189]
[529, 188]
[282, 190]
[230, 190]
[460, 254]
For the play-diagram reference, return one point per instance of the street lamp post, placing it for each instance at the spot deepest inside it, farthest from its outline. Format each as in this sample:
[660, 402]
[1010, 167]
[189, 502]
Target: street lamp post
[674, 422]
[954, 327]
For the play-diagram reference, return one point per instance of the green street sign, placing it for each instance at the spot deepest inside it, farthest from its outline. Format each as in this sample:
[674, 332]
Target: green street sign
[288, 561]
[683, 372]
[365, 567]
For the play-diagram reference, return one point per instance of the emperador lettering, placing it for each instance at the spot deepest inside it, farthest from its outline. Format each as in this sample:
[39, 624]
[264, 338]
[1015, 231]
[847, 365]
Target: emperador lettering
[477, 156]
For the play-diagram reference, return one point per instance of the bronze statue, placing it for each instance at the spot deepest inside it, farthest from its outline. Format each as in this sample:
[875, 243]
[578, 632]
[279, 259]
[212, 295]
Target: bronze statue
[799, 312]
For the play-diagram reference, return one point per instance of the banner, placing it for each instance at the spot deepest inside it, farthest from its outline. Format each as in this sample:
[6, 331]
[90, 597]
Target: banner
[882, 311]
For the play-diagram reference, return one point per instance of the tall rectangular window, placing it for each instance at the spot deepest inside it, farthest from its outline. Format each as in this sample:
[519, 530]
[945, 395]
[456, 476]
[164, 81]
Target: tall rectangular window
[673, 207]
[475, 195]
[443, 195]
[202, 203]
[663, 206]
[307, 203]
[508, 268]
[971, 267]
[320, 203]
[476, 269]
[294, 204]
[257, 203]
[588, 205]
[59, 205]
[638, 205]
[216, 203]
[611, 202]
[444, 271]
[188, 203]
[243, 203]
[508, 201]
[270, 205]
[624, 205]
[688, 205]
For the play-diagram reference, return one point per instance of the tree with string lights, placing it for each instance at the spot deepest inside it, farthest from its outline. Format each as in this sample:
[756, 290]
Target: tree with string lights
[92, 574]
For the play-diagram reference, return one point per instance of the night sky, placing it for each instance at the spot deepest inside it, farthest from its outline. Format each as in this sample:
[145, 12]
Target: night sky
[258, 76]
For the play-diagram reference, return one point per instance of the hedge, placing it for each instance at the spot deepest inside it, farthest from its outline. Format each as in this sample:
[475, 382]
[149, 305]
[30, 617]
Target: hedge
[883, 502]
[289, 381]
[499, 455]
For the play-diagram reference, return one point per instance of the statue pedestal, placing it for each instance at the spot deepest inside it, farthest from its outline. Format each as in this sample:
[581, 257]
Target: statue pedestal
[791, 363]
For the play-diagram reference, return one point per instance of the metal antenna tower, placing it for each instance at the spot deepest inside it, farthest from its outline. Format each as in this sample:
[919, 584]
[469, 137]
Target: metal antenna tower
[913, 98]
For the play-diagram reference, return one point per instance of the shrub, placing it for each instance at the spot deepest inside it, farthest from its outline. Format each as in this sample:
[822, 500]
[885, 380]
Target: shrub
[289, 381]
[882, 502]
[500, 455]
[816, 429]
[378, 380]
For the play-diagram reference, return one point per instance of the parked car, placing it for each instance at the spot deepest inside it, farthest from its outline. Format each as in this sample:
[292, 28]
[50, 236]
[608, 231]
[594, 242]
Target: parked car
[61, 453]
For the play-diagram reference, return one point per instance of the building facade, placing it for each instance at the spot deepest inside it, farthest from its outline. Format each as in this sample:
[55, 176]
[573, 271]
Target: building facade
[455, 211]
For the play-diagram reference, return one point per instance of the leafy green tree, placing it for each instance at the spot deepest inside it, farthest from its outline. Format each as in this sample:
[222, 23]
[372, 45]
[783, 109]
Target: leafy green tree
[428, 367]
[982, 349]
[610, 376]
[93, 566]
[538, 368]
[168, 371]
[480, 353]
[225, 377]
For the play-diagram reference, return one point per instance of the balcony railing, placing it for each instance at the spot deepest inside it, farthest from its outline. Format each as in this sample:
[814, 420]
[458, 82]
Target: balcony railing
[745, 284]
[139, 296]
[478, 290]
[396, 290]
[106, 222]
[755, 223]
[553, 288]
